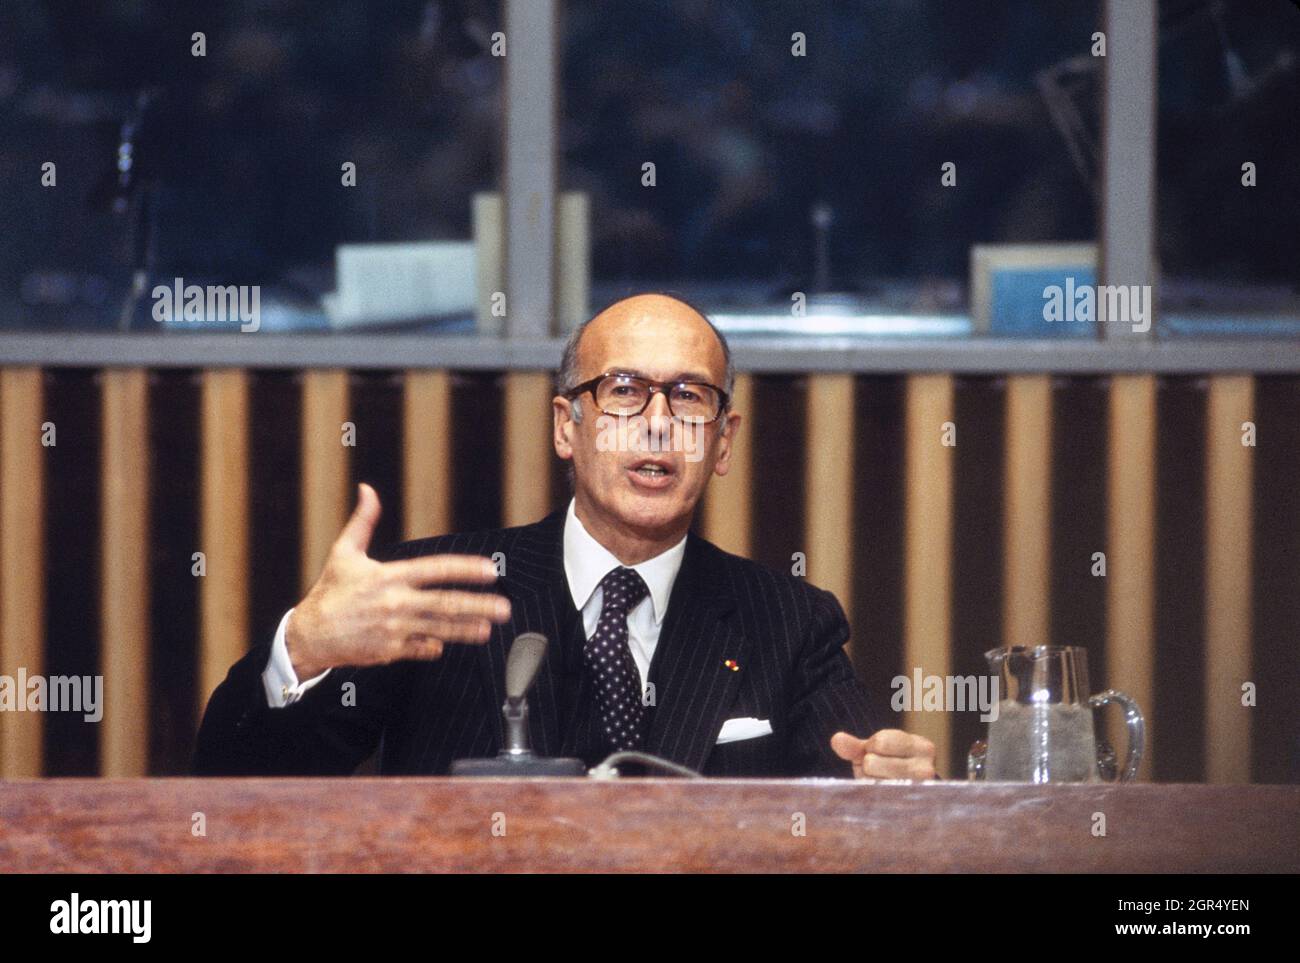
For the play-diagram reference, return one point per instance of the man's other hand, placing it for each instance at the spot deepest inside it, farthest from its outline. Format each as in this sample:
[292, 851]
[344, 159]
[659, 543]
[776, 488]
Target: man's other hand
[362, 612]
[887, 754]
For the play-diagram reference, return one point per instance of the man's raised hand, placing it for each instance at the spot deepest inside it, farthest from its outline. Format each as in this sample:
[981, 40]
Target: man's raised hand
[363, 612]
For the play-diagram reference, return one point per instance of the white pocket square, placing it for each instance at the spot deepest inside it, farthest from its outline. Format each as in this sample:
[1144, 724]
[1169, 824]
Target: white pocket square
[733, 730]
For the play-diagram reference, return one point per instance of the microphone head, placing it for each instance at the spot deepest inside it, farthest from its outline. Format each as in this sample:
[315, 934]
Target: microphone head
[525, 659]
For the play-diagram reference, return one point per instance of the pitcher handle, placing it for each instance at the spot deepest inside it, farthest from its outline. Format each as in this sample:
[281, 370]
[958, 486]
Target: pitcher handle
[1136, 729]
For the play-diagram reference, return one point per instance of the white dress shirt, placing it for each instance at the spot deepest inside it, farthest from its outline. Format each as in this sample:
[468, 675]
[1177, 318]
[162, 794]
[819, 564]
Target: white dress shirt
[586, 562]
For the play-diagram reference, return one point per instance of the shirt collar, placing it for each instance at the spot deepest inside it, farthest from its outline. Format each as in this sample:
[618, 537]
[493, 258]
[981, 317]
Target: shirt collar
[586, 562]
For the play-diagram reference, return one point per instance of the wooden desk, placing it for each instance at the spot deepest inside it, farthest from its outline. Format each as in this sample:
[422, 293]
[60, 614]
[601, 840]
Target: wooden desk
[642, 825]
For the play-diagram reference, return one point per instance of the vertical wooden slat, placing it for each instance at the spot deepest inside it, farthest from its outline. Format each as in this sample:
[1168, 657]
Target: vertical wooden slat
[728, 503]
[223, 525]
[1229, 481]
[325, 494]
[1027, 523]
[22, 561]
[124, 573]
[528, 449]
[426, 453]
[1130, 552]
[927, 546]
[828, 485]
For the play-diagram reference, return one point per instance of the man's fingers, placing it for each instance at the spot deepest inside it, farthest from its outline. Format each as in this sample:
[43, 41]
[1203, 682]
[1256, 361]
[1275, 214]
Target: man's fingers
[887, 754]
[451, 606]
[421, 647]
[434, 569]
[900, 744]
[360, 528]
[409, 638]
[414, 618]
[848, 747]
[892, 767]
[449, 630]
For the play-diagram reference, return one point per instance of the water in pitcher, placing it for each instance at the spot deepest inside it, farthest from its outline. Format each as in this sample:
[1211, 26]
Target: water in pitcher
[1042, 742]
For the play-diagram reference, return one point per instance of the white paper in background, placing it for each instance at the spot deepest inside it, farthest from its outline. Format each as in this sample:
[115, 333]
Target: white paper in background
[382, 283]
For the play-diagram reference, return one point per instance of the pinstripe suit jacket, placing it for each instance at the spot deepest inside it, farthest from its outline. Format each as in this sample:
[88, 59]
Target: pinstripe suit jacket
[785, 635]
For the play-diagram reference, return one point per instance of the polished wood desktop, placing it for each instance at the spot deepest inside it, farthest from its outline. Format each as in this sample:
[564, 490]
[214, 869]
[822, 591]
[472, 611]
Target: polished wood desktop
[640, 825]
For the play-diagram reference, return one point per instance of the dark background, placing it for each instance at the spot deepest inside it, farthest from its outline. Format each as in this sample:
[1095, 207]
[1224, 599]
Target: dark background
[237, 156]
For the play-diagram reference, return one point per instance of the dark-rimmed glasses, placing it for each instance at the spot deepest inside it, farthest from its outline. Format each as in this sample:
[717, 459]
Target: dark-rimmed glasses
[626, 395]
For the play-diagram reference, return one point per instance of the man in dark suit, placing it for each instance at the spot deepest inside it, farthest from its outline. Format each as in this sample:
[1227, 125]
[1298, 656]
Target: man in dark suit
[660, 641]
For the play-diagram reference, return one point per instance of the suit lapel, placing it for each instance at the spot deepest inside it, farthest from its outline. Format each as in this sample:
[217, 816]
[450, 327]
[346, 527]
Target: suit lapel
[539, 602]
[694, 686]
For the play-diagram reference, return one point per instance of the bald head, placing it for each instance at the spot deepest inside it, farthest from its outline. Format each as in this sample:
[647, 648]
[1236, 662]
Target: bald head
[630, 328]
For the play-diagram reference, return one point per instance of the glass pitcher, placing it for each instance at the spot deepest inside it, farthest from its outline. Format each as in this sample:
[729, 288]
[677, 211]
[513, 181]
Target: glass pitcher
[1043, 731]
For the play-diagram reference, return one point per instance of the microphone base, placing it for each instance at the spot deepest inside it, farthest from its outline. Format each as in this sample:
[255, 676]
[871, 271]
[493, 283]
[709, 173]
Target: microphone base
[520, 766]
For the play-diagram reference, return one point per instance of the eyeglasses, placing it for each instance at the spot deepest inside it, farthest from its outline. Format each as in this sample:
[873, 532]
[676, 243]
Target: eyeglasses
[625, 395]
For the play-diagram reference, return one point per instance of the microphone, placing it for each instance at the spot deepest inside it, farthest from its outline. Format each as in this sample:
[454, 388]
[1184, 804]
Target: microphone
[521, 669]
[517, 757]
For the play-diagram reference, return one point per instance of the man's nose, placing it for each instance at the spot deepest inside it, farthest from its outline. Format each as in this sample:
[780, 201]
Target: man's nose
[659, 421]
[658, 409]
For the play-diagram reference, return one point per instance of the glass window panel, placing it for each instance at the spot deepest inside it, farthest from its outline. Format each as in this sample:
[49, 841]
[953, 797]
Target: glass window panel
[776, 173]
[235, 173]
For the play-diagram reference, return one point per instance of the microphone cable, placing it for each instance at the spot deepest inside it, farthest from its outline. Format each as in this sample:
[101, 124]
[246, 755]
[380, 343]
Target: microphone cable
[606, 769]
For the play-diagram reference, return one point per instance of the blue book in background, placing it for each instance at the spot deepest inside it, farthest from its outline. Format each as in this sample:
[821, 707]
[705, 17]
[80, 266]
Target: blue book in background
[1007, 286]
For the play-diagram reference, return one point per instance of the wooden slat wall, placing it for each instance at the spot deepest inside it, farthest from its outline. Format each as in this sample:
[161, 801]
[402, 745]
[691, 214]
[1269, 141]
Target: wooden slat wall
[326, 500]
[124, 573]
[1229, 486]
[728, 502]
[1130, 552]
[528, 447]
[828, 485]
[22, 560]
[1027, 529]
[927, 603]
[223, 525]
[426, 444]
[927, 540]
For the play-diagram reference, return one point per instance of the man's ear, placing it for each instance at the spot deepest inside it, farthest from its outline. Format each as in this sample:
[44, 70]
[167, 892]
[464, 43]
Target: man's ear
[730, 425]
[564, 427]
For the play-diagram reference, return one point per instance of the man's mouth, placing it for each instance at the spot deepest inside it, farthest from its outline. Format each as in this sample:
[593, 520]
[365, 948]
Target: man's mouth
[652, 470]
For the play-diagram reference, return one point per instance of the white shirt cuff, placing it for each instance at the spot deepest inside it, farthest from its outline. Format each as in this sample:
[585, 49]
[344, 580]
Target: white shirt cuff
[279, 679]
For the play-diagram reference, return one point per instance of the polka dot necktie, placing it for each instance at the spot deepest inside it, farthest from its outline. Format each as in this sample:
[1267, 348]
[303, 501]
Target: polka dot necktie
[608, 658]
